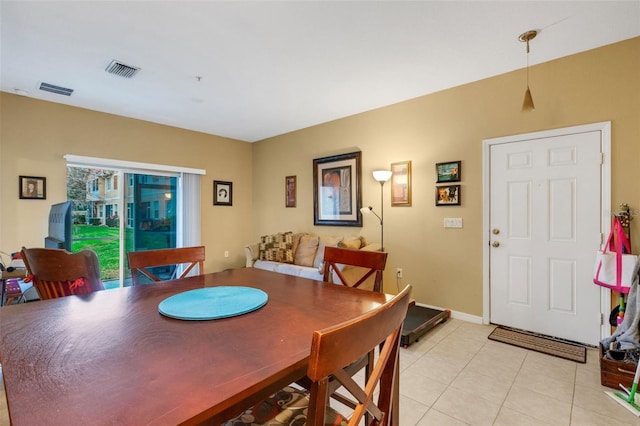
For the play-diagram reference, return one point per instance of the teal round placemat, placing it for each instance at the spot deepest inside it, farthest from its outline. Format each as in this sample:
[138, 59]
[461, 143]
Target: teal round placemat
[213, 303]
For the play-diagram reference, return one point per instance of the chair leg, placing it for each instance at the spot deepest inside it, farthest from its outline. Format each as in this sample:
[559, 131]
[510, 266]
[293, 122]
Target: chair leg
[367, 374]
[395, 405]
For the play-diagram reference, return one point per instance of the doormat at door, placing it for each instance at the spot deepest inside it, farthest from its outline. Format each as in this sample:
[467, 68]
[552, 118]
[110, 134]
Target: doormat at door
[540, 343]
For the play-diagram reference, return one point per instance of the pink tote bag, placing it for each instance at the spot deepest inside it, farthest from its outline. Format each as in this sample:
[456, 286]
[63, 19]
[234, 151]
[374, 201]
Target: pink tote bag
[614, 268]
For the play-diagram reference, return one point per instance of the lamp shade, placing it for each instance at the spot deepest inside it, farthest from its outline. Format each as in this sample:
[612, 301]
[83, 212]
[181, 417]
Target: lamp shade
[382, 175]
[527, 104]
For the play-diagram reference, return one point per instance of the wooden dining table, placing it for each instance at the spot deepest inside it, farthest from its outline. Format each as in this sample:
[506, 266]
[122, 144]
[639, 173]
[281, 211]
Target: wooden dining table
[111, 358]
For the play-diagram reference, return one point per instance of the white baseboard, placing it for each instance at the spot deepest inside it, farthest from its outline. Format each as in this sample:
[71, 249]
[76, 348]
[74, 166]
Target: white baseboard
[455, 314]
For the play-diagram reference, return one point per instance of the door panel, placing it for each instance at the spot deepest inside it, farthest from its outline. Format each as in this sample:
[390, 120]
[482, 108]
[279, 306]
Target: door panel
[562, 285]
[519, 285]
[519, 204]
[545, 205]
[151, 217]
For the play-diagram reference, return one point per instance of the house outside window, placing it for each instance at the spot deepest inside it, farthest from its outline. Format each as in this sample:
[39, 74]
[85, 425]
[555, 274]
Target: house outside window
[130, 216]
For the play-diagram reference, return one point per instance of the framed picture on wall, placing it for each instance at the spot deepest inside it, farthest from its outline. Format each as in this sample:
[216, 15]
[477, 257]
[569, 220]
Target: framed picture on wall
[448, 172]
[32, 188]
[222, 193]
[401, 183]
[337, 197]
[290, 191]
[448, 195]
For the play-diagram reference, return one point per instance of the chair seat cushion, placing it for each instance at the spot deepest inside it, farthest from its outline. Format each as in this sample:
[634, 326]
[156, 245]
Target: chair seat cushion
[288, 407]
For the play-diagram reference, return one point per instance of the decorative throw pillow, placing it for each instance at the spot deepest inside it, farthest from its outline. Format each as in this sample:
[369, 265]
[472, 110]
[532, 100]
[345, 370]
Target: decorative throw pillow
[277, 247]
[325, 241]
[372, 247]
[306, 251]
[351, 243]
[295, 242]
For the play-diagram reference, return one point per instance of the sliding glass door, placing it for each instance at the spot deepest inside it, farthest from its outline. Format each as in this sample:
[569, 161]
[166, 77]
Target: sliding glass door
[150, 220]
[115, 212]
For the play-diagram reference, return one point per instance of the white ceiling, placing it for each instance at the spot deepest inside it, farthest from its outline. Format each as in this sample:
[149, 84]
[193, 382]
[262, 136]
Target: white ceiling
[268, 67]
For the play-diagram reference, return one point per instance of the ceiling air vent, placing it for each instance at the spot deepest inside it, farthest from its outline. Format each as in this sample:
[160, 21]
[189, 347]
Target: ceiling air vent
[118, 68]
[56, 89]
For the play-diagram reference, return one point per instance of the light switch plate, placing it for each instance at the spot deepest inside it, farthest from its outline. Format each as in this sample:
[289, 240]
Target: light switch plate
[453, 222]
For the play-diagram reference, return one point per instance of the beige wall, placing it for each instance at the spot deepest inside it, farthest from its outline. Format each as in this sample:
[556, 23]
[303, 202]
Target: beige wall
[35, 135]
[445, 265]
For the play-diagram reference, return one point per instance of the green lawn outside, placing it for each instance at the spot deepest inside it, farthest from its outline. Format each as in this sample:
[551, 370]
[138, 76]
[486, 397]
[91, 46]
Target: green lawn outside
[105, 242]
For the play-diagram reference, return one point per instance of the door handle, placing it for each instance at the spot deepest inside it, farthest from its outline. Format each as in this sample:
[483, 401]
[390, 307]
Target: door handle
[495, 244]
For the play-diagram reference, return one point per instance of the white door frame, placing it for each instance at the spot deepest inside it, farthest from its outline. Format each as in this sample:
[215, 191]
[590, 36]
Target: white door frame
[605, 176]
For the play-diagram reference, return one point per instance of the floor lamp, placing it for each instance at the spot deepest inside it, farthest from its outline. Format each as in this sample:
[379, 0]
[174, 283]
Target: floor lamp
[381, 176]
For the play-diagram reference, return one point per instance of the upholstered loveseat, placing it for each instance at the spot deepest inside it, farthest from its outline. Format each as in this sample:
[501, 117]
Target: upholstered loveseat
[301, 254]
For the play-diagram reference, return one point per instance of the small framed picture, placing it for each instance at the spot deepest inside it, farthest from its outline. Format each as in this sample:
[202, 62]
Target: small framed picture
[401, 184]
[290, 191]
[222, 193]
[33, 188]
[448, 195]
[448, 172]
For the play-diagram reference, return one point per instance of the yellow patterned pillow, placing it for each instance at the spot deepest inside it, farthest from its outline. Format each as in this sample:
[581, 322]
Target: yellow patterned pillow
[277, 247]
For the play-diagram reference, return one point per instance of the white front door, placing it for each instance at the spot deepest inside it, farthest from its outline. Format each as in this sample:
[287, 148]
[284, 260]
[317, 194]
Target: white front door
[545, 219]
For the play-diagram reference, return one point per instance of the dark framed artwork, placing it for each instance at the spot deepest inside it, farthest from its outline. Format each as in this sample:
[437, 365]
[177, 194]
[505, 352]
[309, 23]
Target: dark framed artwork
[222, 193]
[337, 196]
[448, 195]
[401, 184]
[290, 189]
[32, 188]
[448, 172]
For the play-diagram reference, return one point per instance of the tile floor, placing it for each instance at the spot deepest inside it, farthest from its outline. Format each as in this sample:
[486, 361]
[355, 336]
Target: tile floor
[456, 376]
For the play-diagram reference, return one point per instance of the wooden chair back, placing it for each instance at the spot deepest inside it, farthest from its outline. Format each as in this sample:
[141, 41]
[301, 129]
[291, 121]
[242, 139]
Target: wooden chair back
[58, 273]
[141, 261]
[371, 262]
[335, 348]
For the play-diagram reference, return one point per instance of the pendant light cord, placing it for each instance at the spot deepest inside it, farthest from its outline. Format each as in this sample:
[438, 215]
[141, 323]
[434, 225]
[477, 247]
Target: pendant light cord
[527, 63]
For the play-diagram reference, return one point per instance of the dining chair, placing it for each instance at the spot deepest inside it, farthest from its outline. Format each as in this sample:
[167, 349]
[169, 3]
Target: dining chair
[58, 273]
[357, 267]
[352, 268]
[141, 262]
[332, 349]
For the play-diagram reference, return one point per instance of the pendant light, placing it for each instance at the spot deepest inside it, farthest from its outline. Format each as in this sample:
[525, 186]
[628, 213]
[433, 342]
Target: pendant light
[527, 104]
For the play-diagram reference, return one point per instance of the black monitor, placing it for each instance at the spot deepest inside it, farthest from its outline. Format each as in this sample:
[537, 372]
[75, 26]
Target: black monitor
[60, 226]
